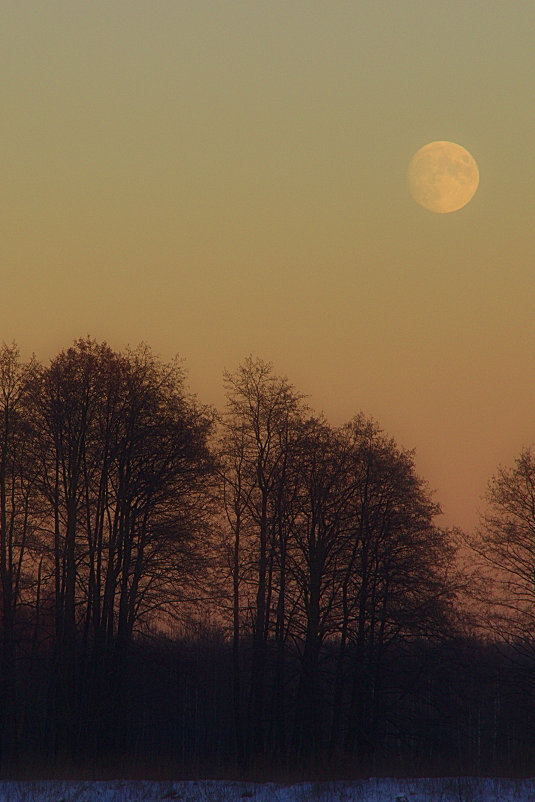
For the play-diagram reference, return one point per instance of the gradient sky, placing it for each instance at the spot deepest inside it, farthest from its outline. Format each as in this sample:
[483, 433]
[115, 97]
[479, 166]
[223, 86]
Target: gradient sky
[224, 178]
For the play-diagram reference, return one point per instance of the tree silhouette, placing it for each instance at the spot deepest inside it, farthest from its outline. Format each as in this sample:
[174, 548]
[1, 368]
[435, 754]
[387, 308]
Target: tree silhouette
[261, 411]
[17, 524]
[272, 592]
[124, 457]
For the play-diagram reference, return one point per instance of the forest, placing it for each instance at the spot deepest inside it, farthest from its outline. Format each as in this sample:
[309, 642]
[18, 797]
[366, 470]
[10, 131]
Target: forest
[248, 591]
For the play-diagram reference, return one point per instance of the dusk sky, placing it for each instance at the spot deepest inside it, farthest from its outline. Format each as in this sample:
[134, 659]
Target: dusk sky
[221, 179]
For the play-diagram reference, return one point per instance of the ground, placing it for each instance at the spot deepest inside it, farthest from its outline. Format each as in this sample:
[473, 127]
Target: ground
[450, 789]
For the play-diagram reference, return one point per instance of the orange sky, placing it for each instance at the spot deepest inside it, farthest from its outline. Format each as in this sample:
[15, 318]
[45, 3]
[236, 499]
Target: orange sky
[220, 179]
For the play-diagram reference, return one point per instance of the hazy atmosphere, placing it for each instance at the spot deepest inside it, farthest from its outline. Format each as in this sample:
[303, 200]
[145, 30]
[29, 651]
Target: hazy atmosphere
[267, 450]
[224, 179]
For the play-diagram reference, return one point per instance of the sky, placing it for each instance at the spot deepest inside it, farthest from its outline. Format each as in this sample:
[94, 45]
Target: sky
[219, 179]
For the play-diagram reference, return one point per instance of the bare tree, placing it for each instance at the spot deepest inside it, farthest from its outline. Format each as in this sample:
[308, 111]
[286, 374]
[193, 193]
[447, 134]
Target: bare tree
[124, 460]
[400, 585]
[16, 522]
[505, 546]
[262, 410]
[318, 553]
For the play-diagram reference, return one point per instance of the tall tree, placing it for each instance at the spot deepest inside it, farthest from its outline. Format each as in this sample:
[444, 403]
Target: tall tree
[262, 410]
[69, 395]
[318, 548]
[400, 584]
[505, 545]
[124, 463]
[16, 523]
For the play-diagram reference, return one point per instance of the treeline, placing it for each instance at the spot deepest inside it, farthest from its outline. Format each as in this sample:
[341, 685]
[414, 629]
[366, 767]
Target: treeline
[250, 590]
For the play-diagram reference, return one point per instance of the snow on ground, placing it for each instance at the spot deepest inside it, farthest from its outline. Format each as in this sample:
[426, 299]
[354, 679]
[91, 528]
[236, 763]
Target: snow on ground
[451, 789]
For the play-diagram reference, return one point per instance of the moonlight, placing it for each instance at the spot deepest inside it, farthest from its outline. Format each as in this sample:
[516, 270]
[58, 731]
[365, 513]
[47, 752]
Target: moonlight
[442, 177]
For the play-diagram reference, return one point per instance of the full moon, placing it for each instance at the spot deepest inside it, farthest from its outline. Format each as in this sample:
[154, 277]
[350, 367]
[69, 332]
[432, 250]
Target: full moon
[442, 177]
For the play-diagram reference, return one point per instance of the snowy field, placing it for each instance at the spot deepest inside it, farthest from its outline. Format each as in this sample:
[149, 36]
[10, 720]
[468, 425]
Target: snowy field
[449, 789]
